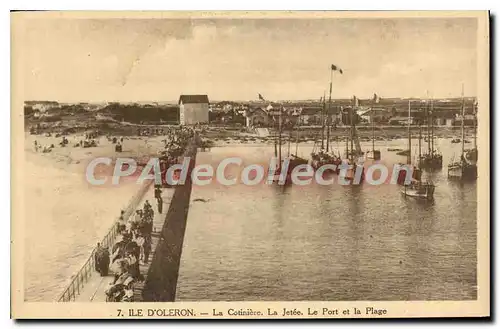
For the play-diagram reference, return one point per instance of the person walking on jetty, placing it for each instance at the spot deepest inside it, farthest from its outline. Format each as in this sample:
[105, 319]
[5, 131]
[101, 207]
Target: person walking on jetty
[148, 210]
[146, 248]
[101, 259]
[120, 288]
[140, 242]
[159, 199]
[120, 224]
[133, 264]
[133, 222]
[118, 250]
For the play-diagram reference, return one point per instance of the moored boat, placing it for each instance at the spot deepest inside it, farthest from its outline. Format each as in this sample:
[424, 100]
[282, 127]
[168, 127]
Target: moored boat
[463, 170]
[466, 167]
[433, 159]
[418, 189]
[373, 154]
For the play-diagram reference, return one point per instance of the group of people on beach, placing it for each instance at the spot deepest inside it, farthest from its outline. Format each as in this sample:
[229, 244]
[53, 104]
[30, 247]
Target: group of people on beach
[132, 248]
[45, 149]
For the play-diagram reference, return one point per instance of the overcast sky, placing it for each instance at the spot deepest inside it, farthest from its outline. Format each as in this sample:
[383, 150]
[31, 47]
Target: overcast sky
[159, 59]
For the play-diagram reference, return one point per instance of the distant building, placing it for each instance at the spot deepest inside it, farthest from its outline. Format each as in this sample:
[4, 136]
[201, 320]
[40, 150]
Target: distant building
[469, 120]
[310, 116]
[449, 122]
[193, 109]
[256, 118]
[377, 114]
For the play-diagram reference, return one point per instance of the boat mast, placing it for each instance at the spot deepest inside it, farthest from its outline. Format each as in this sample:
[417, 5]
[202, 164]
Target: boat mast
[347, 142]
[474, 109]
[419, 142]
[327, 131]
[297, 143]
[279, 136]
[289, 143]
[432, 127]
[408, 158]
[328, 113]
[351, 134]
[373, 134]
[463, 119]
[275, 139]
[323, 123]
[428, 128]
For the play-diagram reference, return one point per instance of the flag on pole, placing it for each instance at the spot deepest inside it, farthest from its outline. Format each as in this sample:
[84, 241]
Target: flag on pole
[376, 98]
[336, 68]
[261, 98]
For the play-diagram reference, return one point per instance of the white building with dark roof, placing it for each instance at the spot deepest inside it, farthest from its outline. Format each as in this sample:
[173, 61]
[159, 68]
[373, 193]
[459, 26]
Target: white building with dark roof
[193, 109]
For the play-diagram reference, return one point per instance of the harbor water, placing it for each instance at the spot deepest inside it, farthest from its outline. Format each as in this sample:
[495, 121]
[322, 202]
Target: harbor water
[265, 243]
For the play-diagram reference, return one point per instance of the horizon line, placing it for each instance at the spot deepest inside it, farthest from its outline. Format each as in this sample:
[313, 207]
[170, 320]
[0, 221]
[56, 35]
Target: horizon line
[238, 100]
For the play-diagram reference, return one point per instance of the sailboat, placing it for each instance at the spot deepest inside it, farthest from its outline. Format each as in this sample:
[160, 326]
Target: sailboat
[317, 156]
[432, 160]
[465, 169]
[293, 159]
[471, 155]
[416, 188]
[277, 149]
[374, 154]
[354, 156]
[322, 158]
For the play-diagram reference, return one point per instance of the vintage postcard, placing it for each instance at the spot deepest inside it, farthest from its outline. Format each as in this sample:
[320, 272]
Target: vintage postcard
[249, 165]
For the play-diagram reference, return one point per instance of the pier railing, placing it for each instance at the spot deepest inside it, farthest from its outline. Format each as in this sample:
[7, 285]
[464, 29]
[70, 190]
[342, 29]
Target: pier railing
[84, 274]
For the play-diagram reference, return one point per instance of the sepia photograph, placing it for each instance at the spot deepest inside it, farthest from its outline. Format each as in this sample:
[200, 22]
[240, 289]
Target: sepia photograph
[250, 164]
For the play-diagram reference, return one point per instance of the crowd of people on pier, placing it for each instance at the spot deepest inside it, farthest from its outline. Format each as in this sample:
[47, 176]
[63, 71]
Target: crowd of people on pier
[134, 243]
[176, 141]
[132, 248]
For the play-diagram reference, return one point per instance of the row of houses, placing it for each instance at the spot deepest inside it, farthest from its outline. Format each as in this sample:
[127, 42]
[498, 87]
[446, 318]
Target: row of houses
[193, 109]
[314, 116]
[197, 109]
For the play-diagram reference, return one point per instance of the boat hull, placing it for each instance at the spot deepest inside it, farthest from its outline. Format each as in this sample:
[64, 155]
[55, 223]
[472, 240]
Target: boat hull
[416, 175]
[462, 171]
[431, 162]
[351, 173]
[425, 191]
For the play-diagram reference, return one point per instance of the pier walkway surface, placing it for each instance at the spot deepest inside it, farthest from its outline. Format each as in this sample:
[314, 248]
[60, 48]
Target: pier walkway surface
[94, 288]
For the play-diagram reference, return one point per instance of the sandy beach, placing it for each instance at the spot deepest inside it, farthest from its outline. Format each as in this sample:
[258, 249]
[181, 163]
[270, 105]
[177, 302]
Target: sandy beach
[67, 216]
